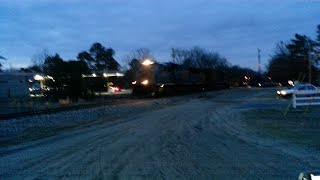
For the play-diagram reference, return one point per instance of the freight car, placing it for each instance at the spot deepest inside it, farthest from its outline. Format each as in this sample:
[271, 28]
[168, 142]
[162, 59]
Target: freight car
[156, 79]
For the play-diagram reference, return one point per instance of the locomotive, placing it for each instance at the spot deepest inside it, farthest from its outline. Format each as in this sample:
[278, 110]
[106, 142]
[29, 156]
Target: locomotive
[169, 78]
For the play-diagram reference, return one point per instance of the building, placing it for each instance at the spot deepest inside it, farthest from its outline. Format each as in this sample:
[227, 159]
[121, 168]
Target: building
[13, 85]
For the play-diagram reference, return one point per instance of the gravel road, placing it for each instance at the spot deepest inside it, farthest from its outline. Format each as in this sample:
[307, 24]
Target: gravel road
[202, 137]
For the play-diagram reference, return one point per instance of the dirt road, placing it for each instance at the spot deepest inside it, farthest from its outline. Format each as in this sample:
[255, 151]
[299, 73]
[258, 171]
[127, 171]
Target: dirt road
[200, 138]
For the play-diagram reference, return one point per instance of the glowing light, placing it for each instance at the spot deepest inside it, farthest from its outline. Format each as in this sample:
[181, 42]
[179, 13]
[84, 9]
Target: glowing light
[147, 62]
[38, 77]
[145, 82]
[134, 82]
[94, 75]
[290, 83]
[283, 92]
[162, 86]
[259, 84]
[278, 92]
[119, 74]
[105, 75]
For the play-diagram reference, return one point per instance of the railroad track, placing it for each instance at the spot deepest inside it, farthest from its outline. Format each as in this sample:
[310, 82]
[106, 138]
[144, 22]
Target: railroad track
[18, 115]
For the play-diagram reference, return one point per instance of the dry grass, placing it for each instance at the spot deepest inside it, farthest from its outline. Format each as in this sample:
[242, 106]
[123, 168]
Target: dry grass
[300, 126]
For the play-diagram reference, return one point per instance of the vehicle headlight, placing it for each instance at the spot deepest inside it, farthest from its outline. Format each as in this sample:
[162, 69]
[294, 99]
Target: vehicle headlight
[283, 92]
[145, 82]
[278, 92]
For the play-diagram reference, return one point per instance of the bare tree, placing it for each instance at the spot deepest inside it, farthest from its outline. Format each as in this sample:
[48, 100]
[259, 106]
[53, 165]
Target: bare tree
[139, 54]
[143, 53]
[179, 55]
[39, 58]
[198, 58]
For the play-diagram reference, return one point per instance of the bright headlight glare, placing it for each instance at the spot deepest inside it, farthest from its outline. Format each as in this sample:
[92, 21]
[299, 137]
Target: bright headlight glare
[147, 62]
[145, 82]
[283, 92]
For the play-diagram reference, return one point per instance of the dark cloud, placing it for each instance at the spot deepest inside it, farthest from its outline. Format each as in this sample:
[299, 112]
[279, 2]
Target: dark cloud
[235, 30]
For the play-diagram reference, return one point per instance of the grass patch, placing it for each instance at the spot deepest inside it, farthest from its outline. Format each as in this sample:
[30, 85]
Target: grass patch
[300, 126]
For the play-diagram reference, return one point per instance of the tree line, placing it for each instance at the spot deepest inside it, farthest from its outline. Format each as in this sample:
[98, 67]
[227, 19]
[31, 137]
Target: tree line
[297, 59]
[98, 58]
[197, 57]
[1, 58]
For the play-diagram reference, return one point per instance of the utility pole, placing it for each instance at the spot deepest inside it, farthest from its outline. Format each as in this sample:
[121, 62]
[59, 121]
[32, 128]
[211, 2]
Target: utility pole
[259, 62]
[309, 62]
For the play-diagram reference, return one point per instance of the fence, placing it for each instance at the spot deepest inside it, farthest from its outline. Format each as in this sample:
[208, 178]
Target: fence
[304, 101]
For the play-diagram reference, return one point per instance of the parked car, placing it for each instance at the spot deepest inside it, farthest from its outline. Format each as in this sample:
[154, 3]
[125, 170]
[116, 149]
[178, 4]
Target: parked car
[304, 88]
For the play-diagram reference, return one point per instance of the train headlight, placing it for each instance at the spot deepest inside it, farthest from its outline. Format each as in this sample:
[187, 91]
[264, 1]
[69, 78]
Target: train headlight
[147, 62]
[145, 82]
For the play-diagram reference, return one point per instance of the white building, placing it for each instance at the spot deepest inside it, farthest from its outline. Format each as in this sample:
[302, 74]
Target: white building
[14, 85]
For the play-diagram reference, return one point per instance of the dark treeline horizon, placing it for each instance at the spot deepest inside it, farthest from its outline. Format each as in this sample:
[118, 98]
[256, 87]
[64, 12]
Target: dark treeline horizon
[289, 61]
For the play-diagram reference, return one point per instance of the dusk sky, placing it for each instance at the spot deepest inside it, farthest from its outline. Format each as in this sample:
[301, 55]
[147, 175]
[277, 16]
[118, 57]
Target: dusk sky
[235, 29]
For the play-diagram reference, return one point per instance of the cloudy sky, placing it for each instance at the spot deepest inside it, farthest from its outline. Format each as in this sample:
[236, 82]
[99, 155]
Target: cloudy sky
[235, 29]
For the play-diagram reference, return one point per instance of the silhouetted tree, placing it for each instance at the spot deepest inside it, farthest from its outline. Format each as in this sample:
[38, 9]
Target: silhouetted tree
[1, 58]
[236, 76]
[99, 58]
[280, 67]
[38, 59]
[198, 58]
[72, 74]
[134, 66]
[179, 55]
[36, 69]
[317, 45]
[139, 54]
[300, 47]
[143, 53]
[53, 65]
[291, 61]
[67, 75]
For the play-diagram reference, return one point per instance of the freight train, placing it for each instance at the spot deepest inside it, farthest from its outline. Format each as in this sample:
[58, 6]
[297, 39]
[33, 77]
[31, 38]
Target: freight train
[157, 79]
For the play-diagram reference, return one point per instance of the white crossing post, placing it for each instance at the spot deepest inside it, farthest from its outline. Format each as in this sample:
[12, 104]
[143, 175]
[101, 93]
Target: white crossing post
[294, 100]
